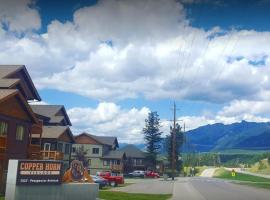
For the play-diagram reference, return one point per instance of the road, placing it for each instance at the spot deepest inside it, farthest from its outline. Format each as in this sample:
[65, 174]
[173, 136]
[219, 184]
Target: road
[208, 172]
[197, 188]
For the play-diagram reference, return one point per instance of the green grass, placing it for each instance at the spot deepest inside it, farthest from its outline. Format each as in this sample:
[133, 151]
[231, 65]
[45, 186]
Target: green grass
[2, 198]
[108, 195]
[245, 179]
[110, 187]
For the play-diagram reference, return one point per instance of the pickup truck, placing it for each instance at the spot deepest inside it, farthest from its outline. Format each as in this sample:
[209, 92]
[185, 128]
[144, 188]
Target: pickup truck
[112, 179]
[151, 174]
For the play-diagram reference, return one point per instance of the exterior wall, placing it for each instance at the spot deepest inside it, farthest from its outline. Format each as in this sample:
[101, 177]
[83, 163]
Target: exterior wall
[13, 113]
[14, 108]
[16, 149]
[89, 149]
[95, 162]
[84, 139]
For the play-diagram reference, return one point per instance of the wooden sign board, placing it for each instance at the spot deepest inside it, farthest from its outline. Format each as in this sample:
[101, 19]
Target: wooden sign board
[39, 172]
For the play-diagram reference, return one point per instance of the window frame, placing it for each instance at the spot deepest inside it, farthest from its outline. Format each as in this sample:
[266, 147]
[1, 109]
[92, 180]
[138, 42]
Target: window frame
[20, 138]
[7, 128]
[94, 152]
[67, 150]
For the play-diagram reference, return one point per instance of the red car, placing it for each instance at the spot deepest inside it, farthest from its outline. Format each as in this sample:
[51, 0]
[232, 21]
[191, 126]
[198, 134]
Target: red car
[151, 174]
[113, 180]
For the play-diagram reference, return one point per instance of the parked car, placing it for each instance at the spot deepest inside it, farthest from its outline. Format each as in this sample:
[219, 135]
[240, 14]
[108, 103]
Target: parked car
[137, 173]
[102, 182]
[151, 174]
[112, 179]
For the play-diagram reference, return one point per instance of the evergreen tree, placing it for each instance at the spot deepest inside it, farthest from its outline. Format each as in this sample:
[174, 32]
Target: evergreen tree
[80, 154]
[179, 135]
[152, 137]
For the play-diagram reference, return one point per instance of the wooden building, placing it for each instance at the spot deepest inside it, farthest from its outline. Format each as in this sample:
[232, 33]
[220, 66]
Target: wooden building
[18, 123]
[136, 159]
[57, 138]
[102, 152]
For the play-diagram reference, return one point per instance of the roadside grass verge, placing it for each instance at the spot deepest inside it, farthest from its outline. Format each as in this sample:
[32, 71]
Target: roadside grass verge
[110, 195]
[244, 179]
[2, 198]
[110, 187]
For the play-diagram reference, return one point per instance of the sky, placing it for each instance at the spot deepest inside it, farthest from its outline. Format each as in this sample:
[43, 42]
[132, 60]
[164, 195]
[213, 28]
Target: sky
[111, 62]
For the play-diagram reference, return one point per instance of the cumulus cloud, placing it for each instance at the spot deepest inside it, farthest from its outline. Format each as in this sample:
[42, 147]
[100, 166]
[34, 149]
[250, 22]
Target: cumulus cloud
[125, 49]
[19, 15]
[110, 119]
[129, 49]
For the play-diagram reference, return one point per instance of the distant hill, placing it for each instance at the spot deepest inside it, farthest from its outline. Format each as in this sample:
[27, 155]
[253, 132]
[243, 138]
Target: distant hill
[218, 137]
[225, 138]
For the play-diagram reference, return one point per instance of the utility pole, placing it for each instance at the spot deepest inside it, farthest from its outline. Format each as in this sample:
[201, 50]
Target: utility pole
[173, 141]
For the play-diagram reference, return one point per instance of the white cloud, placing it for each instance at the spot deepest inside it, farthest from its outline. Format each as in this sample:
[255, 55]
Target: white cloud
[152, 52]
[110, 119]
[128, 49]
[19, 15]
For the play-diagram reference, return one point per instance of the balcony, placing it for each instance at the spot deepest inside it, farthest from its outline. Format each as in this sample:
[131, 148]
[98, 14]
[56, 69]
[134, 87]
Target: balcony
[52, 155]
[3, 147]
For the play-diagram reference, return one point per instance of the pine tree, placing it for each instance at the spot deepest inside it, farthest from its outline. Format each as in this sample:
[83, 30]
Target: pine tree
[152, 137]
[179, 135]
[80, 154]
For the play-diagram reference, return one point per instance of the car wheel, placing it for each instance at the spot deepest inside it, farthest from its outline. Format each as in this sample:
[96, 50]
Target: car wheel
[113, 184]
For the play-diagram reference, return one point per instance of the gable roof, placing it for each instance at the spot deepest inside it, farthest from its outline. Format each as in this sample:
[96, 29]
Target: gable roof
[5, 94]
[55, 132]
[115, 154]
[50, 111]
[9, 78]
[133, 152]
[105, 140]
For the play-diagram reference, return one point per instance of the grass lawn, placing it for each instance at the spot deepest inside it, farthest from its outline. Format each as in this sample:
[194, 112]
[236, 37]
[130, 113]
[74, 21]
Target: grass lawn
[108, 195]
[109, 187]
[2, 198]
[245, 179]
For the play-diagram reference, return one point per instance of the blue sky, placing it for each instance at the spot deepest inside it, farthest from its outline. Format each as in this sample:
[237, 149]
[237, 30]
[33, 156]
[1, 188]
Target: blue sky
[210, 57]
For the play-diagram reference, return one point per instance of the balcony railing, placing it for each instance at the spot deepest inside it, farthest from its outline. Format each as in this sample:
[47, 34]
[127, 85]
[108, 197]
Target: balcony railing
[52, 155]
[3, 147]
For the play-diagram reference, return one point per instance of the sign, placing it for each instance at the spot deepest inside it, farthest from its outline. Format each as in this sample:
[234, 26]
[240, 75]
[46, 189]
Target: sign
[39, 172]
[77, 173]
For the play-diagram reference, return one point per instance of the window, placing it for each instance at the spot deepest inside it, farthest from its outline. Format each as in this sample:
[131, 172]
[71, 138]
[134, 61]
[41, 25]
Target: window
[138, 161]
[20, 133]
[89, 162]
[106, 162]
[3, 129]
[95, 150]
[67, 148]
[118, 162]
[60, 147]
[73, 149]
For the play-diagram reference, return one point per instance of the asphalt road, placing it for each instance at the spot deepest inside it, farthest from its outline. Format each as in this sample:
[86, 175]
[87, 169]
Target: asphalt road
[197, 188]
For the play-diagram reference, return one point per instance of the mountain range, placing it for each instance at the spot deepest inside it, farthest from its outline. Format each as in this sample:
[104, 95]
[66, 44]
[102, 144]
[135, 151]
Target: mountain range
[220, 137]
